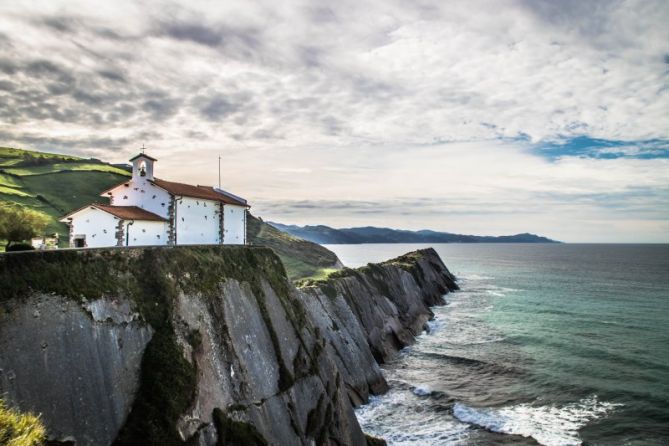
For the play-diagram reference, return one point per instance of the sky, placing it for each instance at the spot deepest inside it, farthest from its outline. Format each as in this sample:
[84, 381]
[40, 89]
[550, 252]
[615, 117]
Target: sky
[478, 117]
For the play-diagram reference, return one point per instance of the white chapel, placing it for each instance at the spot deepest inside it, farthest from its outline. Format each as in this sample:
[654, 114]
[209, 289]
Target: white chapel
[149, 211]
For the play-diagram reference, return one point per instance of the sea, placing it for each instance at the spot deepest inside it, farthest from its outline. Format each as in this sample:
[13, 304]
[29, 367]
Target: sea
[551, 344]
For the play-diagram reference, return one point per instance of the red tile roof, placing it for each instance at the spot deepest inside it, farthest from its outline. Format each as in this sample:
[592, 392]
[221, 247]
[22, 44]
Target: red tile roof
[188, 190]
[129, 212]
[122, 212]
[204, 192]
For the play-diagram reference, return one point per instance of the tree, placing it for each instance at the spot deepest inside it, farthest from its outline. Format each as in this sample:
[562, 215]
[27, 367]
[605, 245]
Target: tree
[18, 224]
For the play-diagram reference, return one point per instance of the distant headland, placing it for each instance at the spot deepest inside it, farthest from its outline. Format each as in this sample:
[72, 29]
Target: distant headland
[369, 234]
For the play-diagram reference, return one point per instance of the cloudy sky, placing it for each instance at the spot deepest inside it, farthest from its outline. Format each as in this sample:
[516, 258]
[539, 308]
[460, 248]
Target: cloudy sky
[484, 117]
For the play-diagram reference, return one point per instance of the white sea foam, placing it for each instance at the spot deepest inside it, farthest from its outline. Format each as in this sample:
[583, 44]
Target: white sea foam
[548, 425]
[499, 291]
[422, 390]
[475, 277]
[393, 416]
[486, 340]
[434, 325]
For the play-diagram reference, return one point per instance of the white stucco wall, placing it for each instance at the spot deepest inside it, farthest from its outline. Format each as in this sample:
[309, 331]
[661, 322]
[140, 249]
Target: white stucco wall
[98, 226]
[142, 193]
[197, 221]
[142, 233]
[234, 222]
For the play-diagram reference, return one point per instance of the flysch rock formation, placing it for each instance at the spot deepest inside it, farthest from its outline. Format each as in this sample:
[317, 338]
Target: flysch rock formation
[203, 345]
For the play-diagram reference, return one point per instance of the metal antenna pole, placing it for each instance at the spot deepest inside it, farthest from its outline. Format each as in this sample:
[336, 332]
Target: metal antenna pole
[219, 172]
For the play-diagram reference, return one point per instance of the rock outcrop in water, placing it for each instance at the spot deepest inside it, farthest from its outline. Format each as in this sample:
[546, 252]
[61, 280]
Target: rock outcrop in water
[203, 345]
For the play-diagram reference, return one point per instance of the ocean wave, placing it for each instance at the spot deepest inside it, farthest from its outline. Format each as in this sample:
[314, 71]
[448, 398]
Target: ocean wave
[405, 419]
[420, 390]
[434, 325]
[457, 359]
[548, 425]
[475, 277]
[485, 340]
[468, 339]
[500, 291]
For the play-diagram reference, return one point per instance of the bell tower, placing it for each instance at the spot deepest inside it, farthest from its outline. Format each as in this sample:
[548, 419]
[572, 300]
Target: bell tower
[142, 166]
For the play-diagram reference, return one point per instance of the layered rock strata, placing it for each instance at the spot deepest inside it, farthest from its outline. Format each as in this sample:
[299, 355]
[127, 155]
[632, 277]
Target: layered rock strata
[203, 345]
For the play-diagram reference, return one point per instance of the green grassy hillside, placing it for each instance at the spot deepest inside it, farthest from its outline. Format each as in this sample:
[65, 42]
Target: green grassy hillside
[57, 184]
[300, 257]
[54, 184]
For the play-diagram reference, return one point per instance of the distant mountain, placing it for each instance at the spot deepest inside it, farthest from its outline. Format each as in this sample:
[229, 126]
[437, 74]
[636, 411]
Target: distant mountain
[369, 234]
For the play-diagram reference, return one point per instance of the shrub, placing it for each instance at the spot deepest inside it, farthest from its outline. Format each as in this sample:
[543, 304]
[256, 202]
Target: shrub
[20, 429]
[18, 224]
[19, 247]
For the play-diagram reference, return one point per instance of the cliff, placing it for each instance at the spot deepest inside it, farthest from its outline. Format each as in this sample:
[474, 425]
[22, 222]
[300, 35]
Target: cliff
[203, 345]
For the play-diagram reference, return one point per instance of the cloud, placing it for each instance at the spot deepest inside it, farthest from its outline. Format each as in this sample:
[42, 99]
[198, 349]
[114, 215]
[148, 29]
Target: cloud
[112, 75]
[194, 32]
[242, 42]
[7, 66]
[81, 146]
[219, 106]
[59, 23]
[160, 105]
[527, 111]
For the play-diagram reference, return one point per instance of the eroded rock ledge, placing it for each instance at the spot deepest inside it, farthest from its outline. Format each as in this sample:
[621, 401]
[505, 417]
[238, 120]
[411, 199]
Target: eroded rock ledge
[203, 345]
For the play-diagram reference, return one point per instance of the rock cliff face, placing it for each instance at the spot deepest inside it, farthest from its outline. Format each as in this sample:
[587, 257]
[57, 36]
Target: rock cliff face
[203, 345]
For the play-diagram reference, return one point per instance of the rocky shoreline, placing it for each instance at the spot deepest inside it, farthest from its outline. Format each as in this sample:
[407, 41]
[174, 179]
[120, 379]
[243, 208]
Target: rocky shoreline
[204, 345]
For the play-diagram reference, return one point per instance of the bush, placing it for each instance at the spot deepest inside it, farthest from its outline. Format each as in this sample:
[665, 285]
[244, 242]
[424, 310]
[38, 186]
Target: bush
[18, 223]
[19, 247]
[20, 429]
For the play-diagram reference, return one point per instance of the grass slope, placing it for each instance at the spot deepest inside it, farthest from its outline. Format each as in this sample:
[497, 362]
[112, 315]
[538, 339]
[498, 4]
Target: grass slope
[54, 184]
[300, 257]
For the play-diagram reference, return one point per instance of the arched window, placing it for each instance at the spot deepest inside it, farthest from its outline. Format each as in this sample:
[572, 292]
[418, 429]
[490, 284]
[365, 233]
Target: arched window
[142, 168]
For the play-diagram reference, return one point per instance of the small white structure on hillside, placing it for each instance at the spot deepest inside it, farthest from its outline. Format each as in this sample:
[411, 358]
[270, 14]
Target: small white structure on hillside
[149, 211]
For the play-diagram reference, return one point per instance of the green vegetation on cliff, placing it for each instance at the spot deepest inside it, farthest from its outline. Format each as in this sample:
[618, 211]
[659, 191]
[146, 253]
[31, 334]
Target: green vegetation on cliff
[300, 257]
[409, 262]
[20, 429]
[236, 432]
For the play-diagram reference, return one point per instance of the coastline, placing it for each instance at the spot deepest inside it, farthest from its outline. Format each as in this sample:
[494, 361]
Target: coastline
[549, 344]
[248, 355]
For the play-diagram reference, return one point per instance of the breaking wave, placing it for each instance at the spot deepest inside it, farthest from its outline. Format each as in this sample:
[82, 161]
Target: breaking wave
[548, 425]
